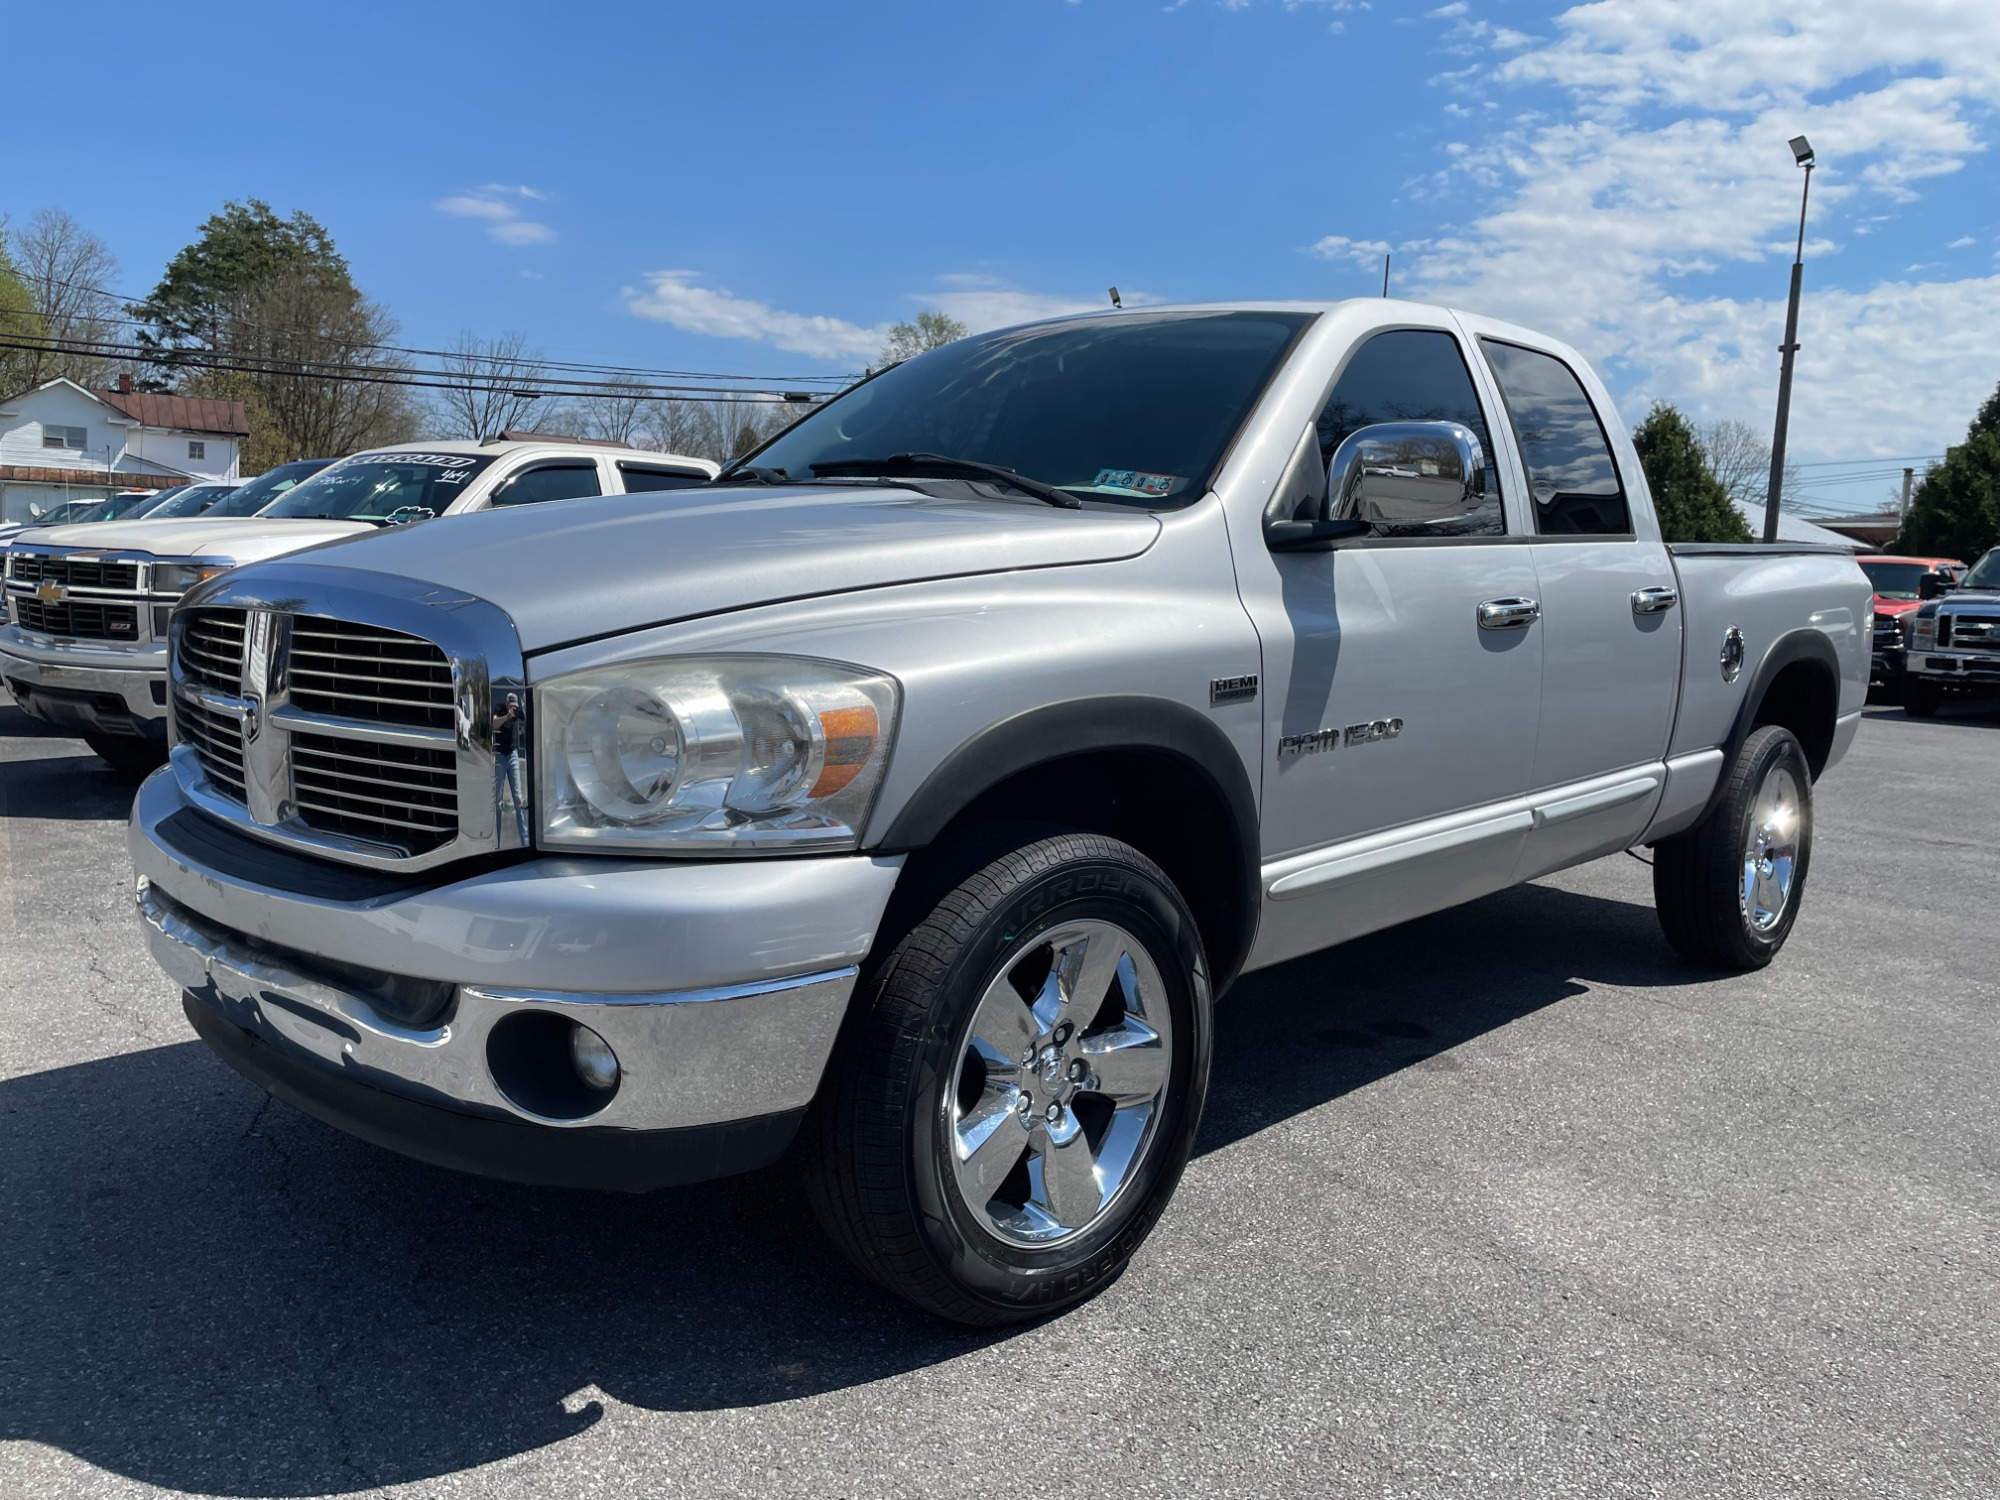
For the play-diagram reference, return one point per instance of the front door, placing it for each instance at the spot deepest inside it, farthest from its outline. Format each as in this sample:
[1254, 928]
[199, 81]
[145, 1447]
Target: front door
[1396, 723]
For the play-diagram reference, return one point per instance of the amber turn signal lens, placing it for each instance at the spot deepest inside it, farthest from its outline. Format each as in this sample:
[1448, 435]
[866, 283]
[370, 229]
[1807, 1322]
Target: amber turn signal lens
[851, 734]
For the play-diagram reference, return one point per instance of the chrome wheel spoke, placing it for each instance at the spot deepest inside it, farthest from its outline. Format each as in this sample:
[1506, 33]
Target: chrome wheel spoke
[1771, 850]
[989, 1144]
[1127, 1065]
[1003, 1028]
[1086, 963]
[1063, 1173]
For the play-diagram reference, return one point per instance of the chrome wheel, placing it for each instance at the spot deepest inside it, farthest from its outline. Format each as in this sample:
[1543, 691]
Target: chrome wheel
[1059, 1083]
[1771, 852]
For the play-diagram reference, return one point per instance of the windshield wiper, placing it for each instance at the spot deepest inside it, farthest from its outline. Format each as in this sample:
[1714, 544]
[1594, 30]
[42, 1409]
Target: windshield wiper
[942, 466]
[753, 473]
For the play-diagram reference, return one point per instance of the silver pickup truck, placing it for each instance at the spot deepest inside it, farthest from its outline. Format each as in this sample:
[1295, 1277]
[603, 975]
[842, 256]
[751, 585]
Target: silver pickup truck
[906, 799]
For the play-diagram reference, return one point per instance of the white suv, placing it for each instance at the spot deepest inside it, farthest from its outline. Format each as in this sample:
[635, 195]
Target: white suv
[83, 643]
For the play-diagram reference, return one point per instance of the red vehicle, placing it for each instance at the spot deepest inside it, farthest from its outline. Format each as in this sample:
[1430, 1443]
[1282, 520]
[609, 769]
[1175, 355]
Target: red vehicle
[1899, 588]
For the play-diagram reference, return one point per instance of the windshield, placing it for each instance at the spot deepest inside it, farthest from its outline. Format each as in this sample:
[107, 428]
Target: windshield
[1135, 408]
[378, 486]
[117, 507]
[1895, 580]
[1985, 573]
[253, 495]
[178, 505]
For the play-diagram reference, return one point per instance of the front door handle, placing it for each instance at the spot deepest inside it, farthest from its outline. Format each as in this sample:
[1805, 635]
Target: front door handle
[1509, 614]
[1654, 601]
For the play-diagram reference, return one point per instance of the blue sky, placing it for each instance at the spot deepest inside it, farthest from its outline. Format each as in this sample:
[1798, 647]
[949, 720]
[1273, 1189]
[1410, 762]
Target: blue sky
[759, 186]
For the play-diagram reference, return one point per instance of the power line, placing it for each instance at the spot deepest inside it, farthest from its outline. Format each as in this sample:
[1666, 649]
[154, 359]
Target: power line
[446, 380]
[168, 355]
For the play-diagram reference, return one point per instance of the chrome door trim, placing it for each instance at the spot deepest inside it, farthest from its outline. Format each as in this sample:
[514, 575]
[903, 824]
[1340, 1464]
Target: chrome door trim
[1295, 875]
[1654, 601]
[1516, 613]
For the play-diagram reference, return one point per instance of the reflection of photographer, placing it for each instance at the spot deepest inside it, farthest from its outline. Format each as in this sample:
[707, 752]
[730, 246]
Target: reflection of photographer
[507, 763]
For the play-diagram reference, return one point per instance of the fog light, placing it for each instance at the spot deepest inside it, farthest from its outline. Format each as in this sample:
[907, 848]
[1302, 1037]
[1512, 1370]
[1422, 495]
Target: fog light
[595, 1063]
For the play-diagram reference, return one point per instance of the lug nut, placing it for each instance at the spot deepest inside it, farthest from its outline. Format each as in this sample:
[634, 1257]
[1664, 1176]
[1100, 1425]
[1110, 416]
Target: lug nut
[1054, 1115]
[1025, 1106]
[1063, 1033]
[1077, 1070]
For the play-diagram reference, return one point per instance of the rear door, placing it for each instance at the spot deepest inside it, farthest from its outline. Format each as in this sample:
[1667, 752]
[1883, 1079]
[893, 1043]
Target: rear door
[1611, 616]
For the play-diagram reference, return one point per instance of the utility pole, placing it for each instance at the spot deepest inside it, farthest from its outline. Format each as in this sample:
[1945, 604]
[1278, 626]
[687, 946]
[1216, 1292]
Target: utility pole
[1385, 275]
[1802, 153]
[1909, 478]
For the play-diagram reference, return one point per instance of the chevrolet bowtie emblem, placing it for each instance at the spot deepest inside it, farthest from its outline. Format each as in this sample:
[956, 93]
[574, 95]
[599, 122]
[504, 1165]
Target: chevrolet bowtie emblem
[51, 592]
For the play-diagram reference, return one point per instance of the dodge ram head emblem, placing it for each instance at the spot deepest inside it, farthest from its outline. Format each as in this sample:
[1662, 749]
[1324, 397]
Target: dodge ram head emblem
[253, 717]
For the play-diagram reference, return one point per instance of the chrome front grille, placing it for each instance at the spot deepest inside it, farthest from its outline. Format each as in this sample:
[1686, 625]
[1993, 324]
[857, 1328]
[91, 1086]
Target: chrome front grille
[83, 597]
[77, 573]
[361, 732]
[1969, 632]
[406, 794]
[80, 619]
[362, 672]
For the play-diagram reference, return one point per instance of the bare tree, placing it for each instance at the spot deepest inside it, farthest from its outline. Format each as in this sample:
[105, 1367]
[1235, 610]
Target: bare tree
[493, 385]
[318, 381]
[68, 272]
[615, 412]
[1740, 460]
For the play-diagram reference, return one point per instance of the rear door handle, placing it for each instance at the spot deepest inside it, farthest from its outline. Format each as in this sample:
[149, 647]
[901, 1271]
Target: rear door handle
[1509, 614]
[1653, 601]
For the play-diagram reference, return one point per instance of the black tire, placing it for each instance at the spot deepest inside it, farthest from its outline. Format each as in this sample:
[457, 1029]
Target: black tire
[1699, 876]
[875, 1151]
[1921, 699]
[130, 757]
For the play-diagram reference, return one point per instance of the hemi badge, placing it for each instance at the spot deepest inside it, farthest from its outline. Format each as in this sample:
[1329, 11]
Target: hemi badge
[1232, 689]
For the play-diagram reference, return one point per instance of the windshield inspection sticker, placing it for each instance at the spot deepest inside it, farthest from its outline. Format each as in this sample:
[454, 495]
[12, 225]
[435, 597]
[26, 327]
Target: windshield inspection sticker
[1136, 482]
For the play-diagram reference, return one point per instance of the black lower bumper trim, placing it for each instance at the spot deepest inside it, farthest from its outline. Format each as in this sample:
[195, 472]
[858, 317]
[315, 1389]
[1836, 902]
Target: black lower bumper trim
[73, 708]
[584, 1156]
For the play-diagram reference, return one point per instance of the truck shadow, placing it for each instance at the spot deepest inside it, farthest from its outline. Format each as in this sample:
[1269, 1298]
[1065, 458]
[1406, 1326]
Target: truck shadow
[213, 1293]
[53, 776]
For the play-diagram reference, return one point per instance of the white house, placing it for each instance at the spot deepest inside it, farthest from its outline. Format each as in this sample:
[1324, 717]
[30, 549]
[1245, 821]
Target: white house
[61, 442]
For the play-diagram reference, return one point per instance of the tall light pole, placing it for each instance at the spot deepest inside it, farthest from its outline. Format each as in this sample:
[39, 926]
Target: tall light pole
[1802, 153]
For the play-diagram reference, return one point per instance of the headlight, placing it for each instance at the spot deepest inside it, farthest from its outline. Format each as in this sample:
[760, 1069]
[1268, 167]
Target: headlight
[1923, 630]
[713, 754]
[178, 577]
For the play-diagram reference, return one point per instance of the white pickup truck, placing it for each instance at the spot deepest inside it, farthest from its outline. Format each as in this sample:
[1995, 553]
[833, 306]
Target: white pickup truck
[83, 630]
[910, 795]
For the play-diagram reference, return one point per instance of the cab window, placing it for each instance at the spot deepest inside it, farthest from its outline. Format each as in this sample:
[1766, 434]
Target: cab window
[1412, 375]
[1571, 474]
[639, 479]
[565, 481]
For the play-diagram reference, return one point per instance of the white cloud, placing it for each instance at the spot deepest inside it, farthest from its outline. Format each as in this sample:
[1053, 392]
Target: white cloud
[1664, 164]
[499, 204]
[1340, 247]
[1447, 12]
[1961, 242]
[978, 300]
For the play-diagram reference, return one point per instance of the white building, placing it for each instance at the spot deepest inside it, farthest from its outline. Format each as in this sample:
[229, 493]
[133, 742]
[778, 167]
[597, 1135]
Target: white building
[62, 442]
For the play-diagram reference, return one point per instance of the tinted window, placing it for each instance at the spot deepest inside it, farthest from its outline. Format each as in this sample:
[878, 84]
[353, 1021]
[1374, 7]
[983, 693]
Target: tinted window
[1134, 408]
[381, 486]
[189, 500]
[1568, 459]
[253, 495]
[1896, 580]
[550, 482]
[1412, 375]
[642, 481]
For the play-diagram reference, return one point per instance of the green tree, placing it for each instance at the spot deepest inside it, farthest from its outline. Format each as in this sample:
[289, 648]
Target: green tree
[246, 244]
[1956, 510]
[931, 330]
[1692, 504]
[20, 324]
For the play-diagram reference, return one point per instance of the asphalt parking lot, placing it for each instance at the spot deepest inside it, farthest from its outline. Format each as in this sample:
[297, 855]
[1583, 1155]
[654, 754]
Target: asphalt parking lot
[1504, 1202]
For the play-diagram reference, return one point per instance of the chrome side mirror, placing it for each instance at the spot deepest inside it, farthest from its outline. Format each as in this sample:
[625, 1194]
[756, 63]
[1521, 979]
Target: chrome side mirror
[1407, 474]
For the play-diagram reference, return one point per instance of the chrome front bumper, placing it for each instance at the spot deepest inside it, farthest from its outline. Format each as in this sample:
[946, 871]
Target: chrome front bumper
[1948, 666]
[744, 971]
[75, 682]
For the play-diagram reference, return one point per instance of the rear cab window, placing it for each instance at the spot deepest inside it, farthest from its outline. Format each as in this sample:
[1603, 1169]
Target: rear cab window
[556, 479]
[1572, 478]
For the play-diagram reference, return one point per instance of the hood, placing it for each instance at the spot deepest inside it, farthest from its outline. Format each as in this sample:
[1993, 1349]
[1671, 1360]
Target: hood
[1895, 606]
[249, 540]
[576, 569]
